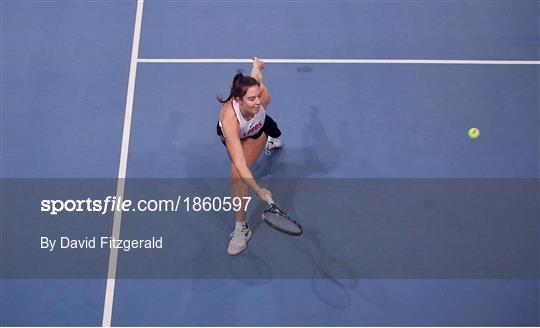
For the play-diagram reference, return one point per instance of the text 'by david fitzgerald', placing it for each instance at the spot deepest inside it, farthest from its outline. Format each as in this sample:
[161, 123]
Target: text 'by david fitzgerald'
[94, 242]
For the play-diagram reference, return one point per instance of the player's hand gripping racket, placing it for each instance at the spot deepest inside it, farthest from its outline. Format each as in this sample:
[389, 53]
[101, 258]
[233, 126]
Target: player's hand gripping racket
[280, 221]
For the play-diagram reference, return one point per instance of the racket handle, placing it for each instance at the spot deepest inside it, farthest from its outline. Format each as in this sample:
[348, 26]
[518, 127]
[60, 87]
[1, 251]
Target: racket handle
[270, 201]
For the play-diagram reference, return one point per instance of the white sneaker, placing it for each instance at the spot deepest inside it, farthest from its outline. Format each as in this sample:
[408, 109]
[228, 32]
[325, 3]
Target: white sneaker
[272, 143]
[239, 240]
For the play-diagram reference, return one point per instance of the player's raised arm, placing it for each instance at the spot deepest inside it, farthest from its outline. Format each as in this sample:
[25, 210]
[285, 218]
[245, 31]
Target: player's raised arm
[257, 74]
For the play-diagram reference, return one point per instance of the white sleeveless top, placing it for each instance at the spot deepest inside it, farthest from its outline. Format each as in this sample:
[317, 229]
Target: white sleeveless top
[251, 127]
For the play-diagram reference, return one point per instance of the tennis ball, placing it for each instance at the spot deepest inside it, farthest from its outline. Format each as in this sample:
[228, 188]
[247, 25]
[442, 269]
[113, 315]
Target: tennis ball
[473, 133]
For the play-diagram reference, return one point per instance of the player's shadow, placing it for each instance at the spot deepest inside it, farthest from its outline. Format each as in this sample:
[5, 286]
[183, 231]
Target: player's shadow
[333, 280]
[316, 160]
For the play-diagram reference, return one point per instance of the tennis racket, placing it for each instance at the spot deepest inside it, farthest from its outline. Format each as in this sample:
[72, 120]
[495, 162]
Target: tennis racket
[281, 221]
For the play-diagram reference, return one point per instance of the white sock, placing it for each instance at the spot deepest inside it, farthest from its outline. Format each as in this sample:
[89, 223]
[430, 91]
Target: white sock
[240, 225]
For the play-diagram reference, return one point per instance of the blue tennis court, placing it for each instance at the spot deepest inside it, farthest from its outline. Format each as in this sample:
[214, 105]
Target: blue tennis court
[407, 220]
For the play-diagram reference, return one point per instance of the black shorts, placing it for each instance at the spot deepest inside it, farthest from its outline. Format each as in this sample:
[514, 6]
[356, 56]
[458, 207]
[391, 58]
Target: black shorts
[269, 127]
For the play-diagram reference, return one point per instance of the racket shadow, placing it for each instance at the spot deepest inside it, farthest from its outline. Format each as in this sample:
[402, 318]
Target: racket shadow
[343, 277]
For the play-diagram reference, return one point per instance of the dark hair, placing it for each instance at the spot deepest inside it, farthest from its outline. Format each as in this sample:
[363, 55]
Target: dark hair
[239, 86]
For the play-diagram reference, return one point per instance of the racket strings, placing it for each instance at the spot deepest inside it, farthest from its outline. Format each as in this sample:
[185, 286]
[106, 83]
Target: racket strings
[281, 221]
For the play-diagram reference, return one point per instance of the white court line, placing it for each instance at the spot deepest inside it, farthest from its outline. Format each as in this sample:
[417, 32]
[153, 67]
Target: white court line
[113, 255]
[337, 61]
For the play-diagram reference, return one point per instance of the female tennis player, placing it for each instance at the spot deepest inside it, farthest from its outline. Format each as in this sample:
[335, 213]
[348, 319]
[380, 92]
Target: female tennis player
[245, 129]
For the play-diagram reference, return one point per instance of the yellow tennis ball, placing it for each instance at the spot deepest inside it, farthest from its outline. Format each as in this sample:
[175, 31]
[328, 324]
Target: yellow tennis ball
[474, 133]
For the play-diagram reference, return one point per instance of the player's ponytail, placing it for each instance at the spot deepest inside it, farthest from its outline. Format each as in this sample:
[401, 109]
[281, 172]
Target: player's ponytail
[239, 87]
